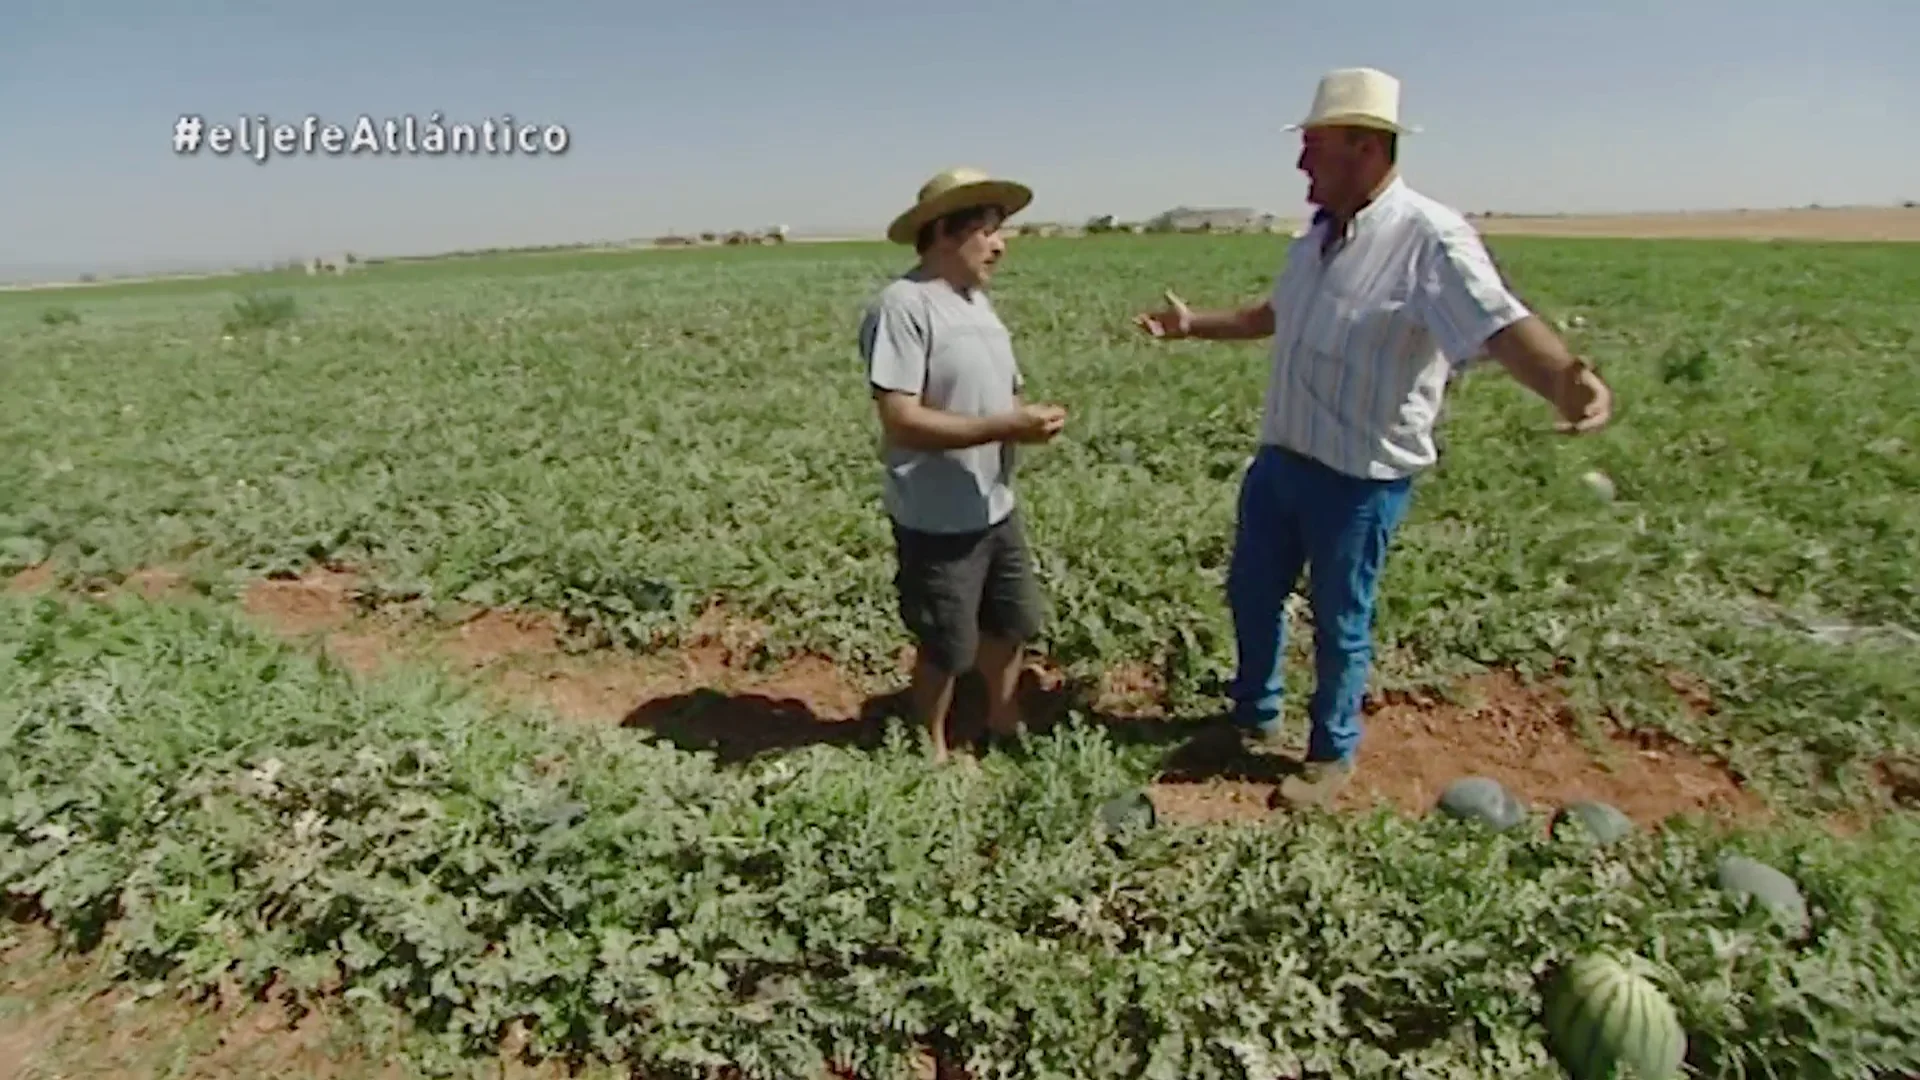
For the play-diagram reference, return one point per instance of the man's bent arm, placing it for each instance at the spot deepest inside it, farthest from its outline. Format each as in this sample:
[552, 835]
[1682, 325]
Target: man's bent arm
[1239, 324]
[917, 426]
[1533, 354]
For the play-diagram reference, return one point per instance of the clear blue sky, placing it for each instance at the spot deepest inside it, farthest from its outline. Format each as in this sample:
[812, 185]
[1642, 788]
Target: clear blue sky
[827, 115]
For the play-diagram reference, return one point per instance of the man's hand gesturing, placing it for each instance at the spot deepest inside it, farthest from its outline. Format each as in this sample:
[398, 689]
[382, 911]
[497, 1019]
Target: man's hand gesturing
[1038, 423]
[1584, 399]
[1175, 321]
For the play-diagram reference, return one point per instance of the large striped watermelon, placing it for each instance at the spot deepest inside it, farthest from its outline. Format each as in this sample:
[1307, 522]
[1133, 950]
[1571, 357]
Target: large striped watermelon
[1603, 1013]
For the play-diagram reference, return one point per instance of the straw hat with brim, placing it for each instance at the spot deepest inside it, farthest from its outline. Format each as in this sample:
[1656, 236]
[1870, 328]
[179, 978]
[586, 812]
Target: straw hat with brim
[1356, 97]
[958, 189]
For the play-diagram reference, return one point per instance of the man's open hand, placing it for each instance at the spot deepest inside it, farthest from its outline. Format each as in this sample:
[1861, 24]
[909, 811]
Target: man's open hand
[1174, 321]
[1584, 399]
[1038, 423]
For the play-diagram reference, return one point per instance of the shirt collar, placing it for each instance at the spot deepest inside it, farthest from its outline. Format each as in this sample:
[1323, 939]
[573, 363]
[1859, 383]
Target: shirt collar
[1367, 213]
[921, 274]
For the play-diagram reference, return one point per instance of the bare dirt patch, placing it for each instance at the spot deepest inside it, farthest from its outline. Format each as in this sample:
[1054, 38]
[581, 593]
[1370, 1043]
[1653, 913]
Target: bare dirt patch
[720, 694]
[1873, 224]
[1527, 737]
[322, 605]
[1524, 736]
[153, 583]
[487, 637]
[32, 580]
[315, 602]
[1899, 777]
[60, 1020]
[1693, 691]
[717, 695]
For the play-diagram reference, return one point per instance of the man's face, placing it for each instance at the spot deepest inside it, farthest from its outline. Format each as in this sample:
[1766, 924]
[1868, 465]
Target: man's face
[1332, 159]
[976, 248]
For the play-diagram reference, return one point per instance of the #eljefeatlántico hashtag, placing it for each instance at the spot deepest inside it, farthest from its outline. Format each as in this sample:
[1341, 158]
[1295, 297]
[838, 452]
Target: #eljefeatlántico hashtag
[431, 135]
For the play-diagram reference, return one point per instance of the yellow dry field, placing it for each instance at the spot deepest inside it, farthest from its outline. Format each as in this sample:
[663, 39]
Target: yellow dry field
[1845, 223]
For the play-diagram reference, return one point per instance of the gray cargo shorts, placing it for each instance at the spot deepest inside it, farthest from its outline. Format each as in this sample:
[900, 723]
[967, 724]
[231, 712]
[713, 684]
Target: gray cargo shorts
[955, 586]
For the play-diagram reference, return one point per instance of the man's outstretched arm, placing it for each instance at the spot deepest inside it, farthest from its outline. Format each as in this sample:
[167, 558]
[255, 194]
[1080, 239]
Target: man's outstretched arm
[1534, 355]
[1177, 321]
[1470, 312]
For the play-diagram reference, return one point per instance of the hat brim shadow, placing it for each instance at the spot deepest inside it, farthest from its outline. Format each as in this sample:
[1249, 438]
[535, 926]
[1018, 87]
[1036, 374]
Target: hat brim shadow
[1356, 122]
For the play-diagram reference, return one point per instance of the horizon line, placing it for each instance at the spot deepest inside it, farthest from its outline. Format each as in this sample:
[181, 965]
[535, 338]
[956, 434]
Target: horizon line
[876, 233]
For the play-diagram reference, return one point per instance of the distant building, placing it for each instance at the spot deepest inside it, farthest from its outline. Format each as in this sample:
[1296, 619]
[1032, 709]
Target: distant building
[331, 264]
[1235, 219]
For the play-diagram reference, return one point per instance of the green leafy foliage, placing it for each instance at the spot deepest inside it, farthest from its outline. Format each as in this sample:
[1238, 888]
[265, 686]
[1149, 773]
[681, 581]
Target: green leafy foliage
[261, 311]
[626, 438]
[209, 806]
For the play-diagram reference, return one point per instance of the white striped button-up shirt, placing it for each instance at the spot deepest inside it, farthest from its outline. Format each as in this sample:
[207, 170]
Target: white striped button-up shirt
[1366, 336]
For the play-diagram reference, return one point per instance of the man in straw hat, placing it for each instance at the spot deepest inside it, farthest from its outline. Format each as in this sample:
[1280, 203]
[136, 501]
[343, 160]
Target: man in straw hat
[1380, 302]
[949, 393]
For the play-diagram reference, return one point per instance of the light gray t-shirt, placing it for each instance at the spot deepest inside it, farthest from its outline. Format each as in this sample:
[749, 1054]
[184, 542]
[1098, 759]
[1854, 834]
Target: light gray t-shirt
[920, 335]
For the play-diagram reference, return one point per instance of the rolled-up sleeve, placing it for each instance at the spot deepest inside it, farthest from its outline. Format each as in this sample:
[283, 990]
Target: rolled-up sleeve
[893, 342]
[1462, 298]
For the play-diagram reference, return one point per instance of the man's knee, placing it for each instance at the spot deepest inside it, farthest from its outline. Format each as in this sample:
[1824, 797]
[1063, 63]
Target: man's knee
[946, 646]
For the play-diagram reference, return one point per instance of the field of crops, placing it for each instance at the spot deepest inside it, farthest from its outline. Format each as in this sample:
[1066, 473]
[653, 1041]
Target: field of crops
[628, 439]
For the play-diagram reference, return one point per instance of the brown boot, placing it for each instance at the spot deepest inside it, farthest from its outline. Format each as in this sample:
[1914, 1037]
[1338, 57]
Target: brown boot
[1318, 784]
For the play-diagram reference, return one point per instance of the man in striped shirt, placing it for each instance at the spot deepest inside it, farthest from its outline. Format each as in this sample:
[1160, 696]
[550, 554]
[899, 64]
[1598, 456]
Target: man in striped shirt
[1380, 302]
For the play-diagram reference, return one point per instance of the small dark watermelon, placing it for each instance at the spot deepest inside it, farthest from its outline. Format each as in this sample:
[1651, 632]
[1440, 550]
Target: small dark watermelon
[1743, 876]
[1477, 798]
[1602, 823]
[1127, 812]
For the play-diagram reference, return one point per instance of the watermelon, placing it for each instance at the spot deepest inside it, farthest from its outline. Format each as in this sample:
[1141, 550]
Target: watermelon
[1127, 812]
[1603, 1013]
[1477, 798]
[1742, 876]
[1601, 822]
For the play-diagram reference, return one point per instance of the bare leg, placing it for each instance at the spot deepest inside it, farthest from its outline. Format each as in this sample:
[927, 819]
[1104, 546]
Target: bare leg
[999, 665]
[932, 698]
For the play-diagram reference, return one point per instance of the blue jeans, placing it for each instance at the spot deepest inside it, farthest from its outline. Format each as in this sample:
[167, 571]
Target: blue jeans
[1295, 513]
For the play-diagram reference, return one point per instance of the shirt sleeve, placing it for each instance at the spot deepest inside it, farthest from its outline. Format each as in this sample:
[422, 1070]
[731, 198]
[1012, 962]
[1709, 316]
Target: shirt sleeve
[1463, 299]
[893, 342]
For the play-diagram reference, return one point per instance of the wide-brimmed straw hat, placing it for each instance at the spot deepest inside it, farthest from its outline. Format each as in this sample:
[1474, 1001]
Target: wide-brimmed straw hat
[1356, 97]
[957, 189]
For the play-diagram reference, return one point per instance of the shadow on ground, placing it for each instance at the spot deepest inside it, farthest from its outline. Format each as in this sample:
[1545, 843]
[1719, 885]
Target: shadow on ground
[738, 727]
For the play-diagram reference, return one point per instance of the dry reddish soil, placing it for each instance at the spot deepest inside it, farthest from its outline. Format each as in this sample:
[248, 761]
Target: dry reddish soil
[61, 1020]
[1524, 736]
[32, 579]
[714, 695]
[711, 696]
